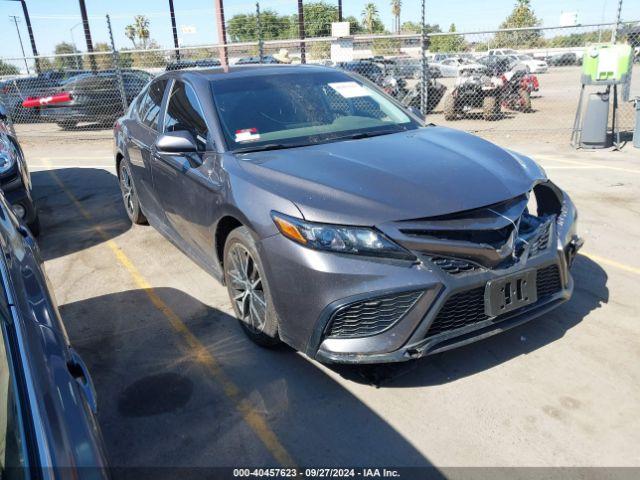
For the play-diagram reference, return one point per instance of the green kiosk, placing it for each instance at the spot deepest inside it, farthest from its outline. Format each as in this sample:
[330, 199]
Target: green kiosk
[609, 66]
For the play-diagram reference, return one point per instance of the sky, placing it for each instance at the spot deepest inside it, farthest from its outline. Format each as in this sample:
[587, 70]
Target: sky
[59, 20]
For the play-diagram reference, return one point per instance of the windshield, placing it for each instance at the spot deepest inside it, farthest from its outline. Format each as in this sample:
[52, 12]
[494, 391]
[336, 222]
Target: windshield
[293, 109]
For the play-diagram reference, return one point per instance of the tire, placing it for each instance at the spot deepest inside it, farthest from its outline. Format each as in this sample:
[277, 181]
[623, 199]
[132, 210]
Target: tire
[490, 108]
[248, 289]
[129, 194]
[525, 101]
[34, 226]
[67, 125]
[449, 108]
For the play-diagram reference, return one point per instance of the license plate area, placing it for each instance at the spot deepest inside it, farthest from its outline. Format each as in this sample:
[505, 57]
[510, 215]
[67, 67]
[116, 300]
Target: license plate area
[506, 294]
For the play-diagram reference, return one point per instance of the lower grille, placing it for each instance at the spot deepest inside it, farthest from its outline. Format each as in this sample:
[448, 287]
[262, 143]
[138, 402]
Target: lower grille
[548, 281]
[371, 316]
[467, 307]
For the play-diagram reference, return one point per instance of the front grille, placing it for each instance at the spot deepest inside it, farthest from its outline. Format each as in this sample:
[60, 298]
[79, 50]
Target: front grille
[548, 281]
[467, 307]
[371, 316]
[454, 266]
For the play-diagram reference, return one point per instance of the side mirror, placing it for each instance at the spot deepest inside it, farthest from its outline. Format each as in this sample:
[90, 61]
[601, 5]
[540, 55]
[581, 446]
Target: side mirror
[176, 142]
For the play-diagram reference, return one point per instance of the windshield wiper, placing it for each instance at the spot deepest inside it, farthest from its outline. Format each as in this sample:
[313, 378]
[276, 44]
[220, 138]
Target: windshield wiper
[269, 146]
[356, 136]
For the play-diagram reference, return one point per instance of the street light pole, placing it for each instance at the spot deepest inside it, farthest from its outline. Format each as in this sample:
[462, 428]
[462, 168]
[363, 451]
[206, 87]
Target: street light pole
[303, 56]
[174, 29]
[24, 57]
[339, 10]
[222, 33]
[87, 35]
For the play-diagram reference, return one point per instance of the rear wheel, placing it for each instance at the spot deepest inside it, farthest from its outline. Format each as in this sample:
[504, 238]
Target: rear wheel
[248, 289]
[525, 100]
[450, 112]
[129, 195]
[490, 108]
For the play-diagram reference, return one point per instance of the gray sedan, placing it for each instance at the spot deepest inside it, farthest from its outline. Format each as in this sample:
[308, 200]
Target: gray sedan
[340, 223]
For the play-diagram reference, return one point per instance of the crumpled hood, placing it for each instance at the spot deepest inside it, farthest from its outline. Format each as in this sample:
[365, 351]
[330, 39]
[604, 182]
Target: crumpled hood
[421, 173]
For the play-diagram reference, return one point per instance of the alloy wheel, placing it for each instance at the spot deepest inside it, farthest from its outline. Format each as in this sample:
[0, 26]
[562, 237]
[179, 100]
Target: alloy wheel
[127, 190]
[246, 286]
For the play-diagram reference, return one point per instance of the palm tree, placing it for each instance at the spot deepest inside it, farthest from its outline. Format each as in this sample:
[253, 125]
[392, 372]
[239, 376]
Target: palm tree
[369, 16]
[142, 28]
[396, 6]
[139, 29]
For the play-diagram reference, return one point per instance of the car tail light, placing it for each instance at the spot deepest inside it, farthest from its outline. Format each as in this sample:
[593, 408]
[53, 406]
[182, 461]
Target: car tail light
[31, 102]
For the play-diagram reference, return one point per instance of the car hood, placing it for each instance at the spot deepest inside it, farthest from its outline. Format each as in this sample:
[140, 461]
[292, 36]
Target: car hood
[420, 173]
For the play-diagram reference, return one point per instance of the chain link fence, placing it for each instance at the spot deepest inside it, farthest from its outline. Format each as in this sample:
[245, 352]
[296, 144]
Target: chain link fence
[503, 84]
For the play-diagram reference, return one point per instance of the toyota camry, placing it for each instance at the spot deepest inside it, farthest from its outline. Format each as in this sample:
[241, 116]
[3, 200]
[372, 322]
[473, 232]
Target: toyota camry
[340, 223]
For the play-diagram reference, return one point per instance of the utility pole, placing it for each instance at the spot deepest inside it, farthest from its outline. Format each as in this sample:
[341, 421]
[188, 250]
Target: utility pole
[24, 57]
[175, 30]
[259, 29]
[222, 33]
[339, 10]
[303, 56]
[27, 20]
[614, 37]
[87, 35]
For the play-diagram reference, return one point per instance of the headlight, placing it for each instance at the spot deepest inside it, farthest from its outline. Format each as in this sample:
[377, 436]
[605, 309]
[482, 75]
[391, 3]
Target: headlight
[6, 162]
[338, 238]
[7, 157]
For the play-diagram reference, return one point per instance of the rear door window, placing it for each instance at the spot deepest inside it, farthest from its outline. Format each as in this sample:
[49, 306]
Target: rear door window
[149, 111]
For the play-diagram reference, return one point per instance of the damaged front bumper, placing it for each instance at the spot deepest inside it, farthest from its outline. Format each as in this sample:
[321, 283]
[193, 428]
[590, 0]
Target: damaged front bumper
[346, 309]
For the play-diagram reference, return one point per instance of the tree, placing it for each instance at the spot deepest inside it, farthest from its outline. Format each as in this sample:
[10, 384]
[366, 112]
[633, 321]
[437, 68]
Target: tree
[448, 43]
[370, 17]
[354, 26]
[396, 7]
[66, 62]
[102, 56]
[8, 69]
[522, 16]
[318, 17]
[411, 27]
[244, 27]
[139, 29]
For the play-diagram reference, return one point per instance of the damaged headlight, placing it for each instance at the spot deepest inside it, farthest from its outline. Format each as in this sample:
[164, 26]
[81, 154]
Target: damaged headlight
[338, 238]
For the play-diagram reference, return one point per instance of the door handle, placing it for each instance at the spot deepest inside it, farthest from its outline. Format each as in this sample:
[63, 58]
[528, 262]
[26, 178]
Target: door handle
[80, 374]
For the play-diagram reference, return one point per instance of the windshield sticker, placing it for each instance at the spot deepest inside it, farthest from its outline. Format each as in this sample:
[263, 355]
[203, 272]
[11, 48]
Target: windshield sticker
[247, 135]
[349, 89]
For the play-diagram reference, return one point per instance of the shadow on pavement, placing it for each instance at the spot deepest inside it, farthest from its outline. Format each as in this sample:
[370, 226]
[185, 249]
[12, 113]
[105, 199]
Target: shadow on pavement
[64, 229]
[590, 292]
[158, 405]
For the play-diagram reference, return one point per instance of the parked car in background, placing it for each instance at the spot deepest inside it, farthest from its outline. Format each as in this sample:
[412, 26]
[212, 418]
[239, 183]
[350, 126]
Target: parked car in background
[450, 67]
[15, 179]
[564, 59]
[183, 64]
[14, 91]
[266, 59]
[94, 97]
[366, 68]
[531, 64]
[48, 423]
[501, 52]
[340, 223]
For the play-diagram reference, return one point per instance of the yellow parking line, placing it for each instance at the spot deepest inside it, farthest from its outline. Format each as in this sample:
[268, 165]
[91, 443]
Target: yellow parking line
[611, 263]
[250, 415]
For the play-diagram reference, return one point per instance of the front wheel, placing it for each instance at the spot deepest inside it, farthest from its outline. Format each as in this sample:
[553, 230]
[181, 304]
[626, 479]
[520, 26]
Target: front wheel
[248, 289]
[450, 108]
[490, 108]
